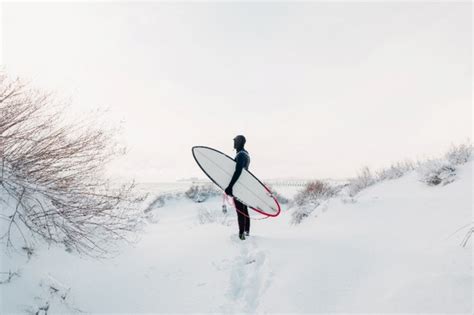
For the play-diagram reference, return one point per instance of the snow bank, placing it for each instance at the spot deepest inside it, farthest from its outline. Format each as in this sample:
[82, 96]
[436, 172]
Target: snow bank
[397, 249]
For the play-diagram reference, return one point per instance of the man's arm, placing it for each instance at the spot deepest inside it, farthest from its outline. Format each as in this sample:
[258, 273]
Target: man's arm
[238, 170]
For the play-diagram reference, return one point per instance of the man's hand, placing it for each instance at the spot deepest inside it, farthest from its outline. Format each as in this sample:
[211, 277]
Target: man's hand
[228, 191]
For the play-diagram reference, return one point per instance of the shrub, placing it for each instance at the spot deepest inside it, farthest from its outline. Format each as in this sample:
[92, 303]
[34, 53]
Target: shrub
[303, 211]
[435, 172]
[459, 154]
[395, 171]
[53, 172]
[160, 200]
[308, 199]
[432, 172]
[213, 215]
[314, 190]
[363, 180]
[200, 193]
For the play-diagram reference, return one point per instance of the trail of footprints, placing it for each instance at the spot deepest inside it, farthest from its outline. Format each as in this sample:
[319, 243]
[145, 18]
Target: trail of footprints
[250, 276]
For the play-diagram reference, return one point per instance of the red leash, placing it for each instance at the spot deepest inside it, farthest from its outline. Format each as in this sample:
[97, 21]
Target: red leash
[257, 210]
[232, 204]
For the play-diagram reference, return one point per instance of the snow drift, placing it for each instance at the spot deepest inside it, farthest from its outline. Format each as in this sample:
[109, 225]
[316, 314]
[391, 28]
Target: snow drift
[396, 246]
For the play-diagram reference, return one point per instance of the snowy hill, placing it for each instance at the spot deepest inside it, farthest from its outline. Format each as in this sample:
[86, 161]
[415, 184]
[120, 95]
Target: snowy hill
[395, 248]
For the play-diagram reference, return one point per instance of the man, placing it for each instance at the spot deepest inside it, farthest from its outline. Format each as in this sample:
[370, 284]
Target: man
[242, 159]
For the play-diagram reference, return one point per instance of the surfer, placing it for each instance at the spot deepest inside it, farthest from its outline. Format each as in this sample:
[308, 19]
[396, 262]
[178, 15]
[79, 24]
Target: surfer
[242, 159]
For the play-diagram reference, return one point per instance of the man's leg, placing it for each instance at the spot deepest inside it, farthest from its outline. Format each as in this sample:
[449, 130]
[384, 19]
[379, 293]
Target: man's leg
[240, 217]
[247, 220]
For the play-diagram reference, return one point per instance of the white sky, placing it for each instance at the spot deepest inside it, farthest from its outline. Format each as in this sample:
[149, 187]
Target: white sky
[319, 89]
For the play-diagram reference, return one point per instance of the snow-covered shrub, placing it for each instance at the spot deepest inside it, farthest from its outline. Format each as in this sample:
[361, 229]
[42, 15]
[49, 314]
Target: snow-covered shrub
[160, 200]
[443, 171]
[435, 172]
[200, 193]
[362, 180]
[308, 199]
[397, 170]
[53, 297]
[314, 190]
[459, 154]
[205, 215]
[210, 215]
[303, 211]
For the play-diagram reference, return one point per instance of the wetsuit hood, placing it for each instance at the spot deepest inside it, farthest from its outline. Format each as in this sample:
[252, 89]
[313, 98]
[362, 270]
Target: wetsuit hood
[239, 142]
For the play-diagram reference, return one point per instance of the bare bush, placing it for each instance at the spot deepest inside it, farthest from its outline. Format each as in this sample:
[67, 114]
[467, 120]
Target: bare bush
[314, 190]
[436, 172]
[200, 193]
[459, 154]
[160, 200]
[363, 180]
[432, 171]
[395, 171]
[53, 171]
[443, 171]
[308, 199]
[303, 211]
[206, 215]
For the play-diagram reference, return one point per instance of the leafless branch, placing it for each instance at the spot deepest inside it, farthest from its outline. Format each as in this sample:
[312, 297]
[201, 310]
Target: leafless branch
[53, 170]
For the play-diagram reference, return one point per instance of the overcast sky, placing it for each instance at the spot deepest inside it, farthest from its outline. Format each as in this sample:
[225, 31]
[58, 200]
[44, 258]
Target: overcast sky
[319, 89]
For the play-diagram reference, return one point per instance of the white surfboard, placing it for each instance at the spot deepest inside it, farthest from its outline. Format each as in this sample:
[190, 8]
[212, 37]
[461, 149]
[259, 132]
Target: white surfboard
[220, 167]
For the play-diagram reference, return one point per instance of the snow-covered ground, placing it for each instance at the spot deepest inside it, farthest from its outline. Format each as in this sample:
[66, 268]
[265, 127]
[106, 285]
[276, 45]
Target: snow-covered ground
[395, 248]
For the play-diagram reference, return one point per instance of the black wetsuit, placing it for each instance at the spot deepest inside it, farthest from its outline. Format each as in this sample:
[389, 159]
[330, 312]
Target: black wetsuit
[243, 161]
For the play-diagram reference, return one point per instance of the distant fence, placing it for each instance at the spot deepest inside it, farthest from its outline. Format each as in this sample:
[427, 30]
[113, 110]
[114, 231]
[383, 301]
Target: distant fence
[280, 183]
[287, 183]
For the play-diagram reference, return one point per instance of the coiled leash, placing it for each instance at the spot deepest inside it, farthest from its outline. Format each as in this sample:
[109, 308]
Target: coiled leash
[226, 203]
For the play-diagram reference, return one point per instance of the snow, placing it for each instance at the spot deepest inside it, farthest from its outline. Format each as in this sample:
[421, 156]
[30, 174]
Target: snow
[394, 249]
